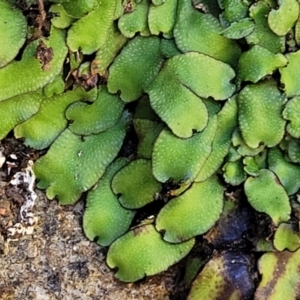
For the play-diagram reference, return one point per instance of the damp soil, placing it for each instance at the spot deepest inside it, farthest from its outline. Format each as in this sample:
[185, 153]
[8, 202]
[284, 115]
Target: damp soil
[57, 261]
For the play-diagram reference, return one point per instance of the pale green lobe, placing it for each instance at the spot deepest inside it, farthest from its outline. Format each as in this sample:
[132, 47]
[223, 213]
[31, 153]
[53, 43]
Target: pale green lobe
[208, 40]
[135, 68]
[226, 276]
[84, 71]
[177, 105]
[290, 75]
[28, 75]
[176, 91]
[192, 69]
[264, 245]
[89, 33]
[232, 155]
[75, 60]
[110, 49]
[291, 113]
[135, 185]
[213, 107]
[168, 48]
[261, 159]
[286, 237]
[147, 132]
[47, 124]
[234, 11]
[161, 18]
[18, 109]
[258, 62]
[283, 19]
[287, 173]
[62, 19]
[119, 9]
[142, 252]
[284, 142]
[297, 32]
[294, 150]
[97, 117]
[143, 110]
[192, 213]
[273, 201]
[251, 166]
[262, 35]
[56, 86]
[79, 8]
[260, 118]
[73, 165]
[57, 1]
[241, 147]
[104, 218]
[181, 159]
[279, 276]
[234, 173]
[12, 32]
[271, 3]
[136, 21]
[227, 122]
[158, 2]
[240, 29]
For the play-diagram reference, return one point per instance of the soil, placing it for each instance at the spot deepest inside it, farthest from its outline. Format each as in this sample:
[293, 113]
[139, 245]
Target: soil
[51, 258]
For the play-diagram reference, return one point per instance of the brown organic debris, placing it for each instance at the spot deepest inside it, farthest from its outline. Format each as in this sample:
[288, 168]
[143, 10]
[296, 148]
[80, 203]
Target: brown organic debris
[44, 55]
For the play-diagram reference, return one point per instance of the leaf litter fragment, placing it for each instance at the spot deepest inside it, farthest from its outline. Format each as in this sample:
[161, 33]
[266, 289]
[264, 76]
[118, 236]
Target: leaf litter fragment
[280, 271]
[24, 180]
[226, 276]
